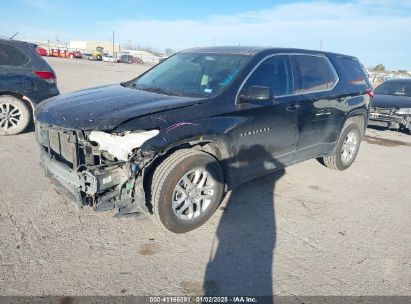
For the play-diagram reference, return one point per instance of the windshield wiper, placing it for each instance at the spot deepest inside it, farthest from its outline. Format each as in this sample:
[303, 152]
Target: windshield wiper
[156, 90]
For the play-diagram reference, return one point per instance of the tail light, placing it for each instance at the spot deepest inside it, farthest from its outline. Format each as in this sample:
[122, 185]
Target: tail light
[370, 92]
[49, 77]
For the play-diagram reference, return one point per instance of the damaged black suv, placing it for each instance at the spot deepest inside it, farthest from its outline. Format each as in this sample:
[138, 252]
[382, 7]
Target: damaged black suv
[174, 140]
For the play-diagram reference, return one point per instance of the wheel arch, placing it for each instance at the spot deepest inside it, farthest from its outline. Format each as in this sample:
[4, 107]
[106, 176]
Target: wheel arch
[216, 147]
[27, 101]
[359, 117]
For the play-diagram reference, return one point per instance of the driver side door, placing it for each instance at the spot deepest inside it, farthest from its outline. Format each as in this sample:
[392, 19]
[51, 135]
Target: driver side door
[268, 137]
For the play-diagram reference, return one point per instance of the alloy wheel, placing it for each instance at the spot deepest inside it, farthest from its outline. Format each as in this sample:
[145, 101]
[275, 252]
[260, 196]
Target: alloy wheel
[10, 116]
[349, 147]
[193, 194]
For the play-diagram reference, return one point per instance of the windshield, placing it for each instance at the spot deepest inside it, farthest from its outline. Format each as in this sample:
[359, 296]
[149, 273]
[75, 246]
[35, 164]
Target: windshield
[192, 74]
[394, 88]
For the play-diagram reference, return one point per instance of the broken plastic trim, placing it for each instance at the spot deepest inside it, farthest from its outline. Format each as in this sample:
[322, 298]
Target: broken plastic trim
[121, 146]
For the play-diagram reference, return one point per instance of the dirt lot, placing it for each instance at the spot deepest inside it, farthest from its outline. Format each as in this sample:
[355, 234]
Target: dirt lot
[309, 231]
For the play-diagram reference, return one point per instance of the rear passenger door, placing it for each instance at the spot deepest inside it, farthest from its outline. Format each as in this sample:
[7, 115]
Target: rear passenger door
[321, 112]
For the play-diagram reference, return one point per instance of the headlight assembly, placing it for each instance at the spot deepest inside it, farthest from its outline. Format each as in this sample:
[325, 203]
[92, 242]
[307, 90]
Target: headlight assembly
[121, 146]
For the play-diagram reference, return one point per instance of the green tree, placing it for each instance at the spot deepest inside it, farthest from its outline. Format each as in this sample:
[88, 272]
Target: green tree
[379, 67]
[169, 51]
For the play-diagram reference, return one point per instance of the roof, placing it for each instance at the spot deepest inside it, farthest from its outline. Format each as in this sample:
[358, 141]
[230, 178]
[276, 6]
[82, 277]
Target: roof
[399, 80]
[254, 50]
[15, 41]
[238, 50]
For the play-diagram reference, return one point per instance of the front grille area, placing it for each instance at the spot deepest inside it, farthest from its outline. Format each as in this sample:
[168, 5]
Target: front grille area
[63, 145]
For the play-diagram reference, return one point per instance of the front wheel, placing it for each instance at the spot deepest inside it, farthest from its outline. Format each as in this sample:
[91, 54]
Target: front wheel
[346, 150]
[186, 190]
[14, 115]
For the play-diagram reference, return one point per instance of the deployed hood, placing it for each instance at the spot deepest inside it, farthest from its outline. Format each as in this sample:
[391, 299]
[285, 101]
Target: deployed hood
[391, 101]
[104, 108]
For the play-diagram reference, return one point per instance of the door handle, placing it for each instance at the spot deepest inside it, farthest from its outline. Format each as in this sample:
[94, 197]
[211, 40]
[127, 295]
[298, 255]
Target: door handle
[323, 113]
[292, 107]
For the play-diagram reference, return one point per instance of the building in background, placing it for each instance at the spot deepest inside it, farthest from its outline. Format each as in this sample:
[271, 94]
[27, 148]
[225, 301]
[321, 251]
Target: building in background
[82, 46]
[89, 46]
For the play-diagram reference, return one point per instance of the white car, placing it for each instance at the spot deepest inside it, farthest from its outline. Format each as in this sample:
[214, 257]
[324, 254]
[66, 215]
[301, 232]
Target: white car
[108, 58]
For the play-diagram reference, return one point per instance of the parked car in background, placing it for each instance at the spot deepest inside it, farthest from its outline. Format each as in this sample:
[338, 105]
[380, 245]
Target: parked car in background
[25, 80]
[109, 58]
[41, 51]
[127, 59]
[88, 56]
[139, 60]
[391, 107]
[172, 141]
[76, 54]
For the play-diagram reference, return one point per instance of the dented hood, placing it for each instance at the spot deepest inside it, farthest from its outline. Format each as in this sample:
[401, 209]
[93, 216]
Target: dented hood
[105, 107]
[391, 101]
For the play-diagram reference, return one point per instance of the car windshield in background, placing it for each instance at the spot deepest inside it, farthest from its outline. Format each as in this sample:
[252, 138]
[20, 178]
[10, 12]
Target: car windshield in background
[394, 88]
[192, 74]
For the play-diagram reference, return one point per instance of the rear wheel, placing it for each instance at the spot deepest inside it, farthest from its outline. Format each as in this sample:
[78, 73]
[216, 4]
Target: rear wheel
[14, 115]
[186, 190]
[346, 150]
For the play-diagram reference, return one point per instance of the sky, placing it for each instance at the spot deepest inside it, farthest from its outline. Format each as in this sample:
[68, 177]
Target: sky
[375, 31]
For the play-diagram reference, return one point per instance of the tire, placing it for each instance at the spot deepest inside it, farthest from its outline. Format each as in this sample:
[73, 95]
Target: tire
[346, 150]
[15, 116]
[179, 206]
[99, 57]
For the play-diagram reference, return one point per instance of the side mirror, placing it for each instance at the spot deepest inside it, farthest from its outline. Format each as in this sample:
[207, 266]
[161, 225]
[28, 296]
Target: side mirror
[257, 93]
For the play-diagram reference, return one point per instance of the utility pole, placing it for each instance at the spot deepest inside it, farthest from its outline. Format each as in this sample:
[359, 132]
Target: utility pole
[321, 44]
[113, 44]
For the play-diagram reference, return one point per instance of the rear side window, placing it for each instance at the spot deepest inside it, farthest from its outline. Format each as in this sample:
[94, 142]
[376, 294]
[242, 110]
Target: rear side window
[276, 73]
[11, 56]
[315, 73]
[354, 71]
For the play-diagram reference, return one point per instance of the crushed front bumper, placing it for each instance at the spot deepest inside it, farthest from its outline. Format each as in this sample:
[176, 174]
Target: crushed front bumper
[85, 183]
[388, 119]
[102, 187]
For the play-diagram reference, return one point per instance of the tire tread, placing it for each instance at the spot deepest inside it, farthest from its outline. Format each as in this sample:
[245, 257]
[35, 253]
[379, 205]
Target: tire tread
[331, 161]
[162, 172]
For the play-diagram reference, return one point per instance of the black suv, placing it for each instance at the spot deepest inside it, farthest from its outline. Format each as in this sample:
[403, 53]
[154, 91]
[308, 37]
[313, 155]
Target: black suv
[174, 140]
[25, 80]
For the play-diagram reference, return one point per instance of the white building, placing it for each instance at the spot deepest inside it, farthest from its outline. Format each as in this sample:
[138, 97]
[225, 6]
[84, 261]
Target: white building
[89, 46]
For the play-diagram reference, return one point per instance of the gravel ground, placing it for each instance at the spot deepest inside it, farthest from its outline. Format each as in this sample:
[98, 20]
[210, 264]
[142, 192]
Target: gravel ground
[305, 231]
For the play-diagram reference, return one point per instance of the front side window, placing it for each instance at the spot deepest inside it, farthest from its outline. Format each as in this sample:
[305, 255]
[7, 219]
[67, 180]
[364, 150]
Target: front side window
[275, 73]
[315, 73]
[10, 56]
[192, 74]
